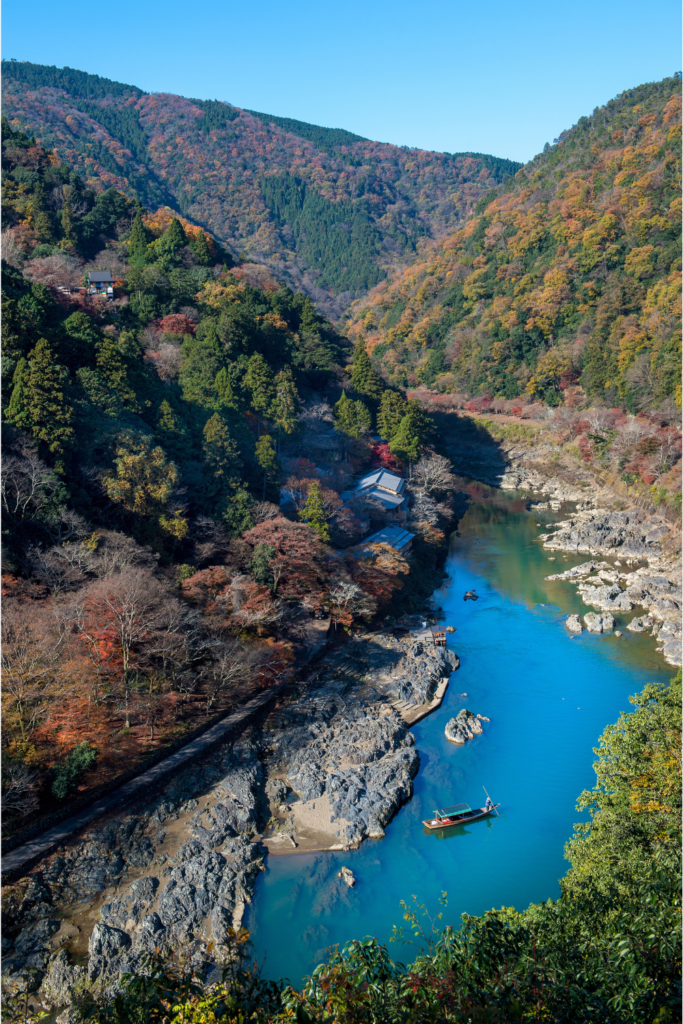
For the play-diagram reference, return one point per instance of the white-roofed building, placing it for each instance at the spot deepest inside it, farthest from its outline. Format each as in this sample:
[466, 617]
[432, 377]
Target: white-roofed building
[395, 536]
[384, 486]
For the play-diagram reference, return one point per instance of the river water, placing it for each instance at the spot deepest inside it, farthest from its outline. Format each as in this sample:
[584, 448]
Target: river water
[548, 697]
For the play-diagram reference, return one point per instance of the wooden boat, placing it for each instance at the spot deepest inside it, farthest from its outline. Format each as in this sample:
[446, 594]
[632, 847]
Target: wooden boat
[459, 814]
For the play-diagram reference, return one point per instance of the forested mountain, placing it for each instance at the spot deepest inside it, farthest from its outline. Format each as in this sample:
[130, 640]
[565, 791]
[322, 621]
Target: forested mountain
[567, 277]
[329, 211]
[147, 436]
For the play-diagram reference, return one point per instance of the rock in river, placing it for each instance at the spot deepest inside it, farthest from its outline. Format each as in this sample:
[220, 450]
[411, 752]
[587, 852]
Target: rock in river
[598, 623]
[463, 727]
[573, 624]
[347, 876]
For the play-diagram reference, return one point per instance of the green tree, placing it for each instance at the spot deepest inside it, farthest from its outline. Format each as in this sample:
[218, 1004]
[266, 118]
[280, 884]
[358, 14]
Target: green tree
[17, 409]
[41, 404]
[391, 411]
[260, 564]
[364, 377]
[313, 512]
[69, 223]
[405, 444]
[67, 774]
[172, 432]
[221, 453]
[259, 381]
[112, 367]
[237, 511]
[225, 389]
[173, 238]
[352, 418]
[267, 459]
[200, 248]
[138, 241]
[285, 405]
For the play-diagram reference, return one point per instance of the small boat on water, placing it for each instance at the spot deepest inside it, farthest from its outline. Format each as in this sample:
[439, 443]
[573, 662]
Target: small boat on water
[459, 814]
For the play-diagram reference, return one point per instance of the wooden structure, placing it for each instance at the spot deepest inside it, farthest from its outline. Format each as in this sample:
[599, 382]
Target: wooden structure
[100, 282]
[430, 634]
[459, 814]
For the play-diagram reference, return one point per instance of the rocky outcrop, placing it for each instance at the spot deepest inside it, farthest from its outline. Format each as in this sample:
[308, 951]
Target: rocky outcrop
[630, 534]
[364, 764]
[598, 623]
[465, 726]
[346, 876]
[573, 624]
[339, 747]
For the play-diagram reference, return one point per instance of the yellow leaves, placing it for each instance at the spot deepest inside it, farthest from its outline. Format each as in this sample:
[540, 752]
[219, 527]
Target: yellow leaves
[630, 338]
[215, 294]
[176, 525]
[665, 296]
[547, 302]
[474, 288]
[672, 111]
[605, 230]
[549, 369]
[276, 320]
[639, 262]
[144, 480]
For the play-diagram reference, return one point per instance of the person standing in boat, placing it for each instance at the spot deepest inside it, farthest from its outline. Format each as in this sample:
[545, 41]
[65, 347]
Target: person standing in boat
[488, 803]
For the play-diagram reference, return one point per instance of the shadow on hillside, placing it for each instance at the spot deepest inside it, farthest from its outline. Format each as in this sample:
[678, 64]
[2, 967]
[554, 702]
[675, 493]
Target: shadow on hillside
[470, 447]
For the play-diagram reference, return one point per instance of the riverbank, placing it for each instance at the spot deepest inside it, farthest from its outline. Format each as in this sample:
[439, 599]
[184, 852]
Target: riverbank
[328, 767]
[605, 522]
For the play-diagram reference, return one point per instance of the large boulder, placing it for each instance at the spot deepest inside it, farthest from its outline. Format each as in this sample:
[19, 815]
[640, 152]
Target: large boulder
[573, 624]
[463, 727]
[598, 623]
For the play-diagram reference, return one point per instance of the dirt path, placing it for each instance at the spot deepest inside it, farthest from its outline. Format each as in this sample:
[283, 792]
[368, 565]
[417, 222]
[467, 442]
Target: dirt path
[38, 847]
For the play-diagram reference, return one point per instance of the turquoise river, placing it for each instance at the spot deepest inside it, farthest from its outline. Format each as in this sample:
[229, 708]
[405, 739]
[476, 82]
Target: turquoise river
[549, 696]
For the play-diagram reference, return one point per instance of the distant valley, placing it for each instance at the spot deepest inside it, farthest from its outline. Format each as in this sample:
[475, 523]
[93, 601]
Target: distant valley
[331, 213]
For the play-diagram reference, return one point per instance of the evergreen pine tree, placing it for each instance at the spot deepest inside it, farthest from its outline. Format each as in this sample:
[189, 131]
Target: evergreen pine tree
[285, 405]
[405, 444]
[17, 407]
[267, 459]
[200, 248]
[364, 377]
[313, 512]
[221, 454]
[173, 238]
[48, 413]
[113, 369]
[352, 418]
[225, 390]
[259, 380]
[43, 226]
[391, 411]
[138, 240]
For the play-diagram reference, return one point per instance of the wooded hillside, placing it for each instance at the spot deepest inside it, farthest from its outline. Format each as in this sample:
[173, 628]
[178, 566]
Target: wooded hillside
[566, 281]
[329, 211]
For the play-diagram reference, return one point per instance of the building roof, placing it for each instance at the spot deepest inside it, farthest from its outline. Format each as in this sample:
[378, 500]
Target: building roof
[395, 536]
[389, 500]
[100, 277]
[383, 478]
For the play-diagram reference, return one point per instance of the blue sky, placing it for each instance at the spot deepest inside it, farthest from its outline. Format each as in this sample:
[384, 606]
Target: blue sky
[501, 77]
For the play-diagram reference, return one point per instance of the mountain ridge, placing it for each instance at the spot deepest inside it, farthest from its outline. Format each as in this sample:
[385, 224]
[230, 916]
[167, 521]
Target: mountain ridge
[567, 276]
[210, 161]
